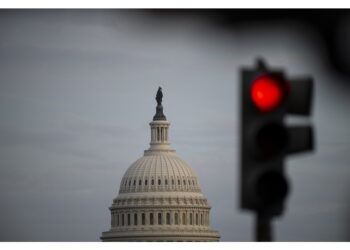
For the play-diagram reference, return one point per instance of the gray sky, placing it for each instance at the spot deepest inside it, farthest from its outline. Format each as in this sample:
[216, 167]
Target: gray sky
[77, 93]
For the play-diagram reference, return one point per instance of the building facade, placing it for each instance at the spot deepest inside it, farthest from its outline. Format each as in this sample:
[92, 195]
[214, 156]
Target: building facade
[159, 197]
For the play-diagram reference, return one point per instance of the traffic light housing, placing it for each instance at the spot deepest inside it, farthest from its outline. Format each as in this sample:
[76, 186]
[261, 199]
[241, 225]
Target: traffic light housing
[267, 96]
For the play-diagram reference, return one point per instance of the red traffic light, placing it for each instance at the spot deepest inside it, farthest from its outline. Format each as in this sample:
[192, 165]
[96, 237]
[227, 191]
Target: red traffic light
[267, 92]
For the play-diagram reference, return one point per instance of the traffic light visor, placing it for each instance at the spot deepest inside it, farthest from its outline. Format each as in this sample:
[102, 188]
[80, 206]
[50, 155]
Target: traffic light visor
[267, 92]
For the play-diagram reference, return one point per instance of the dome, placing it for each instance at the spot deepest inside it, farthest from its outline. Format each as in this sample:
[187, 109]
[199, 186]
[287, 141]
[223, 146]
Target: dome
[159, 196]
[159, 173]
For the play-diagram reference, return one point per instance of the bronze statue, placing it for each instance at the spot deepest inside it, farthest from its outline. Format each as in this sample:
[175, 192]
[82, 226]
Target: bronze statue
[159, 116]
[159, 96]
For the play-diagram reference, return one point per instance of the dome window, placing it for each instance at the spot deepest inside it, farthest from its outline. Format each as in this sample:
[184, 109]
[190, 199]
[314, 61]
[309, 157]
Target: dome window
[151, 219]
[140, 182]
[134, 182]
[189, 182]
[135, 219]
[159, 219]
[129, 220]
[193, 182]
[168, 218]
[152, 182]
[196, 219]
[184, 182]
[191, 219]
[166, 182]
[129, 183]
[118, 220]
[172, 181]
[178, 182]
[184, 219]
[159, 182]
[122, 219]
[201, 219]
[143, 219]
[176, 219]
[146, 182]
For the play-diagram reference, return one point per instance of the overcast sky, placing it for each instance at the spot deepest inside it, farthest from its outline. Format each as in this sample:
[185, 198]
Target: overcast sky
[77, 93]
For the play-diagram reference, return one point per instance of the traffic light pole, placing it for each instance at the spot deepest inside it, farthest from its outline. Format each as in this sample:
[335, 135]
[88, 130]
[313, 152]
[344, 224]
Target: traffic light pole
[263, 227]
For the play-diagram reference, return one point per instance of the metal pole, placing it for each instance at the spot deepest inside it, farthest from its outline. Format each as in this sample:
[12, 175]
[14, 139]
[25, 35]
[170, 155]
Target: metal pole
[263, 227]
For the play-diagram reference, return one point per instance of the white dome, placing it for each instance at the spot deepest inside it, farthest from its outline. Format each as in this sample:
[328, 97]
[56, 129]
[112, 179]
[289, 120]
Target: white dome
[159, 197]
[159, 172]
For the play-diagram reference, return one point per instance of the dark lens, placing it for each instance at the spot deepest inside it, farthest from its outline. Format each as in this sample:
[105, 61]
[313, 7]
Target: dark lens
[272, 187]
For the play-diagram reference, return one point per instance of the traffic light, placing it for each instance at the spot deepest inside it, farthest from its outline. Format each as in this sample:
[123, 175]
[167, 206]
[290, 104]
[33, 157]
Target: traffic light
[267, 96]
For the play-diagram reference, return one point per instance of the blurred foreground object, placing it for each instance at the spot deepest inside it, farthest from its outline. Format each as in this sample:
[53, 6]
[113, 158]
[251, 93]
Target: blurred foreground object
[267, 97]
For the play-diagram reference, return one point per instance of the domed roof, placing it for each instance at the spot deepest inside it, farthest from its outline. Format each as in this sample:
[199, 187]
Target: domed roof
[159, 172]
[159, 197]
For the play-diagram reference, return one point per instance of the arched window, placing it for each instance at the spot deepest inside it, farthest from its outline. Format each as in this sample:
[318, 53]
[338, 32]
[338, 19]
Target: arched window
[191, 219]
[189, 182]
[159, 182]
[152, 182]
[168, 218]
[122, 219]
[159, 219]
[184, 219]
[172, 181]
[176, 219]
[134, 182]
[166, 182]
[118, 220]
[184, 182]
[151, 220]
[178, 182]
[146, 182]
[140, 182]
[193, 182]
[129, 182]
[126, 183]
[128, 219]
[143, 219]
[196, 219]
[201, 219]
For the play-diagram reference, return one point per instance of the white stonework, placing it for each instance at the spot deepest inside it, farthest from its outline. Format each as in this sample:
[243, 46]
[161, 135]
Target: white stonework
[160, 198]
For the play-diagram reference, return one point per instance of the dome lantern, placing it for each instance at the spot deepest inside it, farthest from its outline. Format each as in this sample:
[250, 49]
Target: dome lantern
[159, 130]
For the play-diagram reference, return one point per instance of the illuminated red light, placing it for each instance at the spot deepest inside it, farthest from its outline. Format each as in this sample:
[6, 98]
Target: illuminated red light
[267, 93]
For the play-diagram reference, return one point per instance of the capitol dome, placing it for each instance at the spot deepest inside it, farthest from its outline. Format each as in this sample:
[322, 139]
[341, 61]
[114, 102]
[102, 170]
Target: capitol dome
[159, 196]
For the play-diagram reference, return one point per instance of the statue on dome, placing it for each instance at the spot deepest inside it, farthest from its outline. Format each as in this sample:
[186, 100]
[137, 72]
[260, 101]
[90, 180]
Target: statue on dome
[159, 96]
